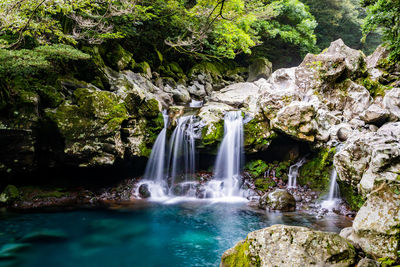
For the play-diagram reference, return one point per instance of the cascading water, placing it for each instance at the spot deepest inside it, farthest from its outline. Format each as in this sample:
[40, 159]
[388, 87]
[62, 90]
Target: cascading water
[168, 176]
[294, 173]
[196, 103]
[155, 173]
[334, 191]
[182, 151]
[227, 178]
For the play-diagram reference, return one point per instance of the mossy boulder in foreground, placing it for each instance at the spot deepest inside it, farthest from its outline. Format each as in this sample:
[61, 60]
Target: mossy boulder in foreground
[281, 245]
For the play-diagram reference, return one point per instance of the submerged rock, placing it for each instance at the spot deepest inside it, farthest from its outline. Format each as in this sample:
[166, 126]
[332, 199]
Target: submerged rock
[281, 245]
[45, 236]
[280, 199]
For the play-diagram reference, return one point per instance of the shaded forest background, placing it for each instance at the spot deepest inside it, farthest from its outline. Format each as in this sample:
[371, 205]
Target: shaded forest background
[40, 39]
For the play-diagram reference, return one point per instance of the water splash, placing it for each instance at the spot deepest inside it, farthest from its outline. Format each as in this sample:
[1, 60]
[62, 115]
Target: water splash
[334, 192]
[294, 173]
[229, 161]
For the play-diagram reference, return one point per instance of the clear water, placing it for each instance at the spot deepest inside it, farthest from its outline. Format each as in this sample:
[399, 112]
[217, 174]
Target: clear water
[152, 234]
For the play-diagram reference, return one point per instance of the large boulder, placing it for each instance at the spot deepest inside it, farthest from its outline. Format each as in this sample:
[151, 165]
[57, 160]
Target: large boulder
[376, 227]
[297, 120]
[235, 95]
[391, 102]
[370, 157]
[280, 199]
[281, 245]
[337, 62]
[212, 118]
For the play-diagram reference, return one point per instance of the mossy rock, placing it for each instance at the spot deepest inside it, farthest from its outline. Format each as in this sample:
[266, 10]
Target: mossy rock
[238, 256]
[97, 113]
[117, 57]
[316, 172]
[374, 87]
[264, 184]
[258, 135]
[214, 69]
[212, 134]
[149, 108]
[355, 200]
[143, 68]
[9, 194]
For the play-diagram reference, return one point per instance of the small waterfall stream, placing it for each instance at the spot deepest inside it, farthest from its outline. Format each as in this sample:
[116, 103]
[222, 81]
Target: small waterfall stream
[182, 151]
[334, 190]
[229, 163]
[294, 173]
[155, 174]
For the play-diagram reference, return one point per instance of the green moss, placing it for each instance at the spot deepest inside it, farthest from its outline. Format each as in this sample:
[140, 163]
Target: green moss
[375, 88]
[386, 262]
[264, 184]
[211, 137]
[239, 257]
[96, 113]
[9, 194]
[143, 67]
[149, 108]
[258, 134]
[117, 57]
[351, 196]
[212, 68]
[316, 172]
[29, 193]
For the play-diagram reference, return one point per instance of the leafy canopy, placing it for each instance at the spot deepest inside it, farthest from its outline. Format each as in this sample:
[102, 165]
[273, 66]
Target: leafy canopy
[384, 15]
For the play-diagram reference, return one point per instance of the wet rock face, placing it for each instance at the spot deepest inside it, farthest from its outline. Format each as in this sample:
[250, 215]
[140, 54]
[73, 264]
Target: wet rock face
[279, 199]
[281, 245]
[376, 227]
[144, 191]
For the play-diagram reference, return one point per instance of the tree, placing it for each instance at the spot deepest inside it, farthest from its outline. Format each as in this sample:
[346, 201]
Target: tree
[52, 21]
[384, 15]
[225, 28]
[340, 19]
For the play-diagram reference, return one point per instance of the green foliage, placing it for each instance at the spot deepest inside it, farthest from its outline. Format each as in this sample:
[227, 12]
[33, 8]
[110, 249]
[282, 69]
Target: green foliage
[257, 167]
[43, 58]
[384, 15]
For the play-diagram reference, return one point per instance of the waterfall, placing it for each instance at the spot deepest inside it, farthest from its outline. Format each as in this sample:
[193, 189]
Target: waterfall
[334, 191]
[156, 164]
[294, 173]
[182, 151]
[229, 161]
